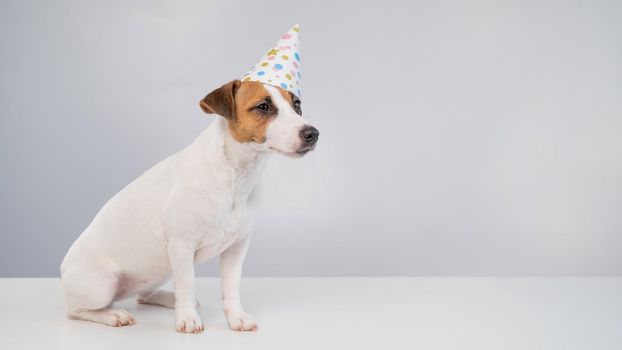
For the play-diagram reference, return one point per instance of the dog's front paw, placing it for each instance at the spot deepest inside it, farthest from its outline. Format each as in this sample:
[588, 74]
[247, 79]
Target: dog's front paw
[188, 321]
[242, 322]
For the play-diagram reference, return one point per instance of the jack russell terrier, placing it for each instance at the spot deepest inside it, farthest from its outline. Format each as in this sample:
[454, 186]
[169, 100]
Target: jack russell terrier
[194, 205]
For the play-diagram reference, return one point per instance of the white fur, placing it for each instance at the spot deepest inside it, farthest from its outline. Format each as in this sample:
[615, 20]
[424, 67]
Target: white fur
[193, 206]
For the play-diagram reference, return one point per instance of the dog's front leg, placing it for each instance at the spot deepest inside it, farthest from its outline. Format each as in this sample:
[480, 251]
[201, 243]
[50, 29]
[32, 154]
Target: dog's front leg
[230, 273]
[187, 318]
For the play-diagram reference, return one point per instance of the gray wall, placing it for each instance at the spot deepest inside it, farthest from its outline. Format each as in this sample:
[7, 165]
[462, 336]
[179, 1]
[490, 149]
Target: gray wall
[458, 138]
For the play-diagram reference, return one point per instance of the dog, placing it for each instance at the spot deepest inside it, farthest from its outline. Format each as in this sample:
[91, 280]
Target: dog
[194, 205]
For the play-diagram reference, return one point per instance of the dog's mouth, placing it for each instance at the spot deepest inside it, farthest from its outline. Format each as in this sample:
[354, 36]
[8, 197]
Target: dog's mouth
[305, 150]
[298, 153]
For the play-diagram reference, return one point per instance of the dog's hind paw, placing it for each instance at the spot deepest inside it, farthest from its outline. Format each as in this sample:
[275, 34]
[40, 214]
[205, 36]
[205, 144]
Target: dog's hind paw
[110, 317]
[123, 318]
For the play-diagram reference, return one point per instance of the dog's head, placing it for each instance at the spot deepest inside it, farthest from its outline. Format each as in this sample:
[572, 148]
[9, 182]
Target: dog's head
[267, 117]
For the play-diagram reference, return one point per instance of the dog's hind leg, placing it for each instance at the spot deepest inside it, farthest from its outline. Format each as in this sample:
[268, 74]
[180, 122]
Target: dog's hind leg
[88, 295]
[159, 297]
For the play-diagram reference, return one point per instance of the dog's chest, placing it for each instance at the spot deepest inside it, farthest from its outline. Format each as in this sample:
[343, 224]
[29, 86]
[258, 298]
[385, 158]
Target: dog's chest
[234, 214]
[227, 216]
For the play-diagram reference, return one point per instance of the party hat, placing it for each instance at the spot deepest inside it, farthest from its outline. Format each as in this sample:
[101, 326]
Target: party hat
[281, 65]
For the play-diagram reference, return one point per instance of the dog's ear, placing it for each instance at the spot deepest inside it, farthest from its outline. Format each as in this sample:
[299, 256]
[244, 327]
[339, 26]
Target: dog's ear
[222, 100]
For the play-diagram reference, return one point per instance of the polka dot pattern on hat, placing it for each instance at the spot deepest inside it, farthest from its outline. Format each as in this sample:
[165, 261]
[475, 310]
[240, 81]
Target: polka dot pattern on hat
[280, 66]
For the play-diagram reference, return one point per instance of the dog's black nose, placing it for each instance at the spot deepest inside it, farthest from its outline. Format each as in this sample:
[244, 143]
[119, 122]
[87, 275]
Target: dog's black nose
[309, 134]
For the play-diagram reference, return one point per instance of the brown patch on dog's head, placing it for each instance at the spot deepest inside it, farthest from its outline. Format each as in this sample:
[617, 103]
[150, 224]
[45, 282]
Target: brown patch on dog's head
[247, 106]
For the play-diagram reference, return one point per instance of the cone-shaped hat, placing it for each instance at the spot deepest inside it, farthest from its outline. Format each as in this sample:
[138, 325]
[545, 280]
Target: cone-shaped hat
[281, 65]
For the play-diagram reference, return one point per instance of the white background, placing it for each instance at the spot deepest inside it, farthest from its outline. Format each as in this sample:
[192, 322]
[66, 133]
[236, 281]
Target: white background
[457, 138]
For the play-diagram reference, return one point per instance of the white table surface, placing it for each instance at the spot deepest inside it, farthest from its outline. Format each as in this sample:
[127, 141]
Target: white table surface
[343, 313]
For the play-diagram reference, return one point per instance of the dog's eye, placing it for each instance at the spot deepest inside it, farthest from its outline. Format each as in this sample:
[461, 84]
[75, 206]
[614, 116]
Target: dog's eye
[264, 107]
[297, 106]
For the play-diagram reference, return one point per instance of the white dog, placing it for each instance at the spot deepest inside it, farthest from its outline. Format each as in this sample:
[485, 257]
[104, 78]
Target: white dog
[192, 206]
